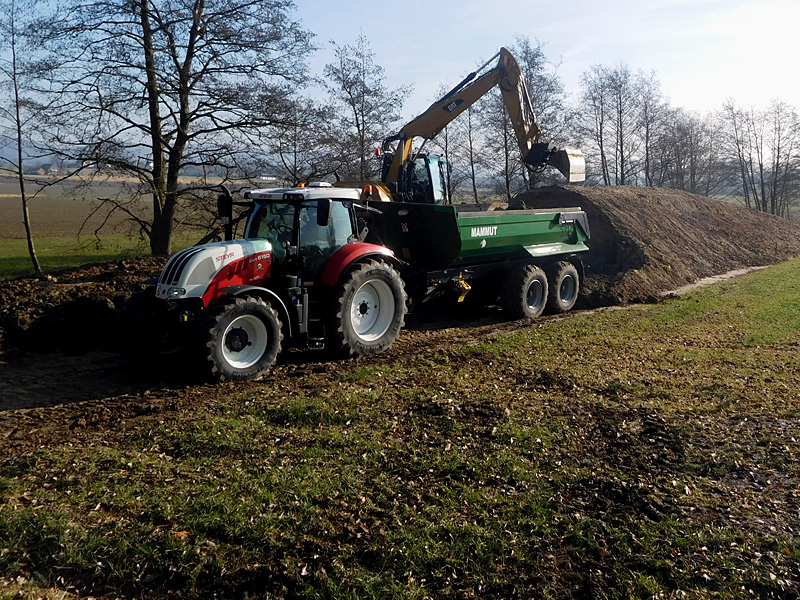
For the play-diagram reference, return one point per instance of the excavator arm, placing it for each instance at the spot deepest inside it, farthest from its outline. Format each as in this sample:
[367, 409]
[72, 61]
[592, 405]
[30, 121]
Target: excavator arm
[508, 76]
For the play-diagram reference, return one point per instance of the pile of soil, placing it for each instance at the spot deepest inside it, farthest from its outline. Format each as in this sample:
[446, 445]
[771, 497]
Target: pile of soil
[70, 310]
[644, 242]
[648, 241]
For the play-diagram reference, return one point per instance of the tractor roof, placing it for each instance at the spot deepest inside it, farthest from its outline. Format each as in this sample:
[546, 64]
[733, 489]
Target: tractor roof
[311, 192]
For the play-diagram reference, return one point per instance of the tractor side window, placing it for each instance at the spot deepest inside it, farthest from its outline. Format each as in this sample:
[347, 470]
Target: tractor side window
[332, 237]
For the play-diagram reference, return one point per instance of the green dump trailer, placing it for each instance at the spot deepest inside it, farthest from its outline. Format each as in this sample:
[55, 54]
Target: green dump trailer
[529, 260]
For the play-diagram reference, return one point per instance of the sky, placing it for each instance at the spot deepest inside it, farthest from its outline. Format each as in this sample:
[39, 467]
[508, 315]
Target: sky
[702, 51]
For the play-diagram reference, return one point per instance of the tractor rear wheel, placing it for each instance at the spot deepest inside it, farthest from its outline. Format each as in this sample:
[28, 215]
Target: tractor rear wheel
[524, 292]
[368, 310]
[564, 285]
[243, 339]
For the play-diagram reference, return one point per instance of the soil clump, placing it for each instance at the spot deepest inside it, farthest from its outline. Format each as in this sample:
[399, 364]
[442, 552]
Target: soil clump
[70, 310]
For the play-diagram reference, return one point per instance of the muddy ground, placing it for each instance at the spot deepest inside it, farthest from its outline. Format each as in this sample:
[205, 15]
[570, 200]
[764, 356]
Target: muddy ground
[58, 367]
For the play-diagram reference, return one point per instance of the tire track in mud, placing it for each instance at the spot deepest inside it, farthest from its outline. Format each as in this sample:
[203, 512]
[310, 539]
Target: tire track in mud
[47, 399]
[55, 397]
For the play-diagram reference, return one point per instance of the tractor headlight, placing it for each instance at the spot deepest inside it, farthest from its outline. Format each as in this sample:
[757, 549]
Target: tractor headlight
[175, 292]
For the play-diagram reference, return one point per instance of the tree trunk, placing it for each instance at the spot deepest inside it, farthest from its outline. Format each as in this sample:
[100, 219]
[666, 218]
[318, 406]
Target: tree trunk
[26, 217]
[161, 230]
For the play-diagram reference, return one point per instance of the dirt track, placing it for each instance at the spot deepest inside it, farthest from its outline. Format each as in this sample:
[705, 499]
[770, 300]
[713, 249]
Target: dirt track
[59, 372]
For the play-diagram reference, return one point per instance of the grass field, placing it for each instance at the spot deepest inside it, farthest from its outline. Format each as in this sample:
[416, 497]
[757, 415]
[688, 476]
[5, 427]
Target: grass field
[60, 252]
[65, 230]
[649, 452]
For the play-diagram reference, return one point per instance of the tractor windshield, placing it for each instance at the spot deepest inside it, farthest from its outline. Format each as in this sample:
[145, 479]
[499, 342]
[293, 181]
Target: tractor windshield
[274, 221]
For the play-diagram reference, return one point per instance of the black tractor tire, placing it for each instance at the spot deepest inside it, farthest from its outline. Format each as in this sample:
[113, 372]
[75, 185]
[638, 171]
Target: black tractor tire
[564, 285]
[367, 312]
[524, 293]
[242, 339]
[145, 334]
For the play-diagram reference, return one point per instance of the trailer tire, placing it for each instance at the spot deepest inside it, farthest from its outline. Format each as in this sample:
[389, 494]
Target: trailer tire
[524, 293]
[368, 310]
[144, 334]
[243, 339]
[564, 285]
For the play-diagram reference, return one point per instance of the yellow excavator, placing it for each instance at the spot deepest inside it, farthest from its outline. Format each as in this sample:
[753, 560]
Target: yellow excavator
[421, 178]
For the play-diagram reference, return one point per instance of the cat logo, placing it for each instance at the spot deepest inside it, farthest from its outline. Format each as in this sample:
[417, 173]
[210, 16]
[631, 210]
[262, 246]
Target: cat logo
[453, 105]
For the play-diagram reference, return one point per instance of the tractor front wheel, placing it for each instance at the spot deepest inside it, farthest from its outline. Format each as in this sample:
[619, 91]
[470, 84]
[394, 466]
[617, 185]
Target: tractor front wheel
[243, 339]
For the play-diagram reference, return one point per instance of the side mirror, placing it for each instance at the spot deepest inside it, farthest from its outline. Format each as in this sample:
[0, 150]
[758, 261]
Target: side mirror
[323, 212]
[225, 212]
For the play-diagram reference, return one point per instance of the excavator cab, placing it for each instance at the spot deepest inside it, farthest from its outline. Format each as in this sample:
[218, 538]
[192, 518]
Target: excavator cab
[423, 180]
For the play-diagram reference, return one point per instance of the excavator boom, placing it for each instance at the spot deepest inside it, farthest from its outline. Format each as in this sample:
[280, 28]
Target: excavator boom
[508, 76]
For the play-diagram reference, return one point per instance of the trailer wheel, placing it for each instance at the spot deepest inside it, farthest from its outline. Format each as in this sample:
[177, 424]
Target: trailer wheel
[243, 338]
[368, 310]
[524, 293]
[145, 335]
[564, 284]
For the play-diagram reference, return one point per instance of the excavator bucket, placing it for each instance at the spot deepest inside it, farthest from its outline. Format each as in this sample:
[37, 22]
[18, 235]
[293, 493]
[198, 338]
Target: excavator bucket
[570, 163]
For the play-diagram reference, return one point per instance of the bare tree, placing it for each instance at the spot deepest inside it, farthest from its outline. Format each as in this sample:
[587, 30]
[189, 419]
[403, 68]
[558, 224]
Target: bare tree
[783, 142]
[153, 88]
[468, 154]
[596, 116]
[763, 145]
[611, 119]
[298, 150]
[652, 119]
[16, 114]
[688, 149]
[501, 152]
[548, 99]
[545, 89]
[368, 111]
[626, 116]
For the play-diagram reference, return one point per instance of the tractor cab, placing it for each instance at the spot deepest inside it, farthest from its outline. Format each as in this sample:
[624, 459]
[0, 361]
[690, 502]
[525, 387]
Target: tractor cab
[304, 226]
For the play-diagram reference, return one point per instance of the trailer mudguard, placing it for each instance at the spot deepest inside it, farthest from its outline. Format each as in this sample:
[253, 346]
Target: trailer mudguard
[347, 255]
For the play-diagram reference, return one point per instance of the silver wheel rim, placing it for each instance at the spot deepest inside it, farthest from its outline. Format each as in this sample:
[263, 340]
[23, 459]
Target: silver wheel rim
[244, 341]
[372, 310]
[567, 289]
[535, 295]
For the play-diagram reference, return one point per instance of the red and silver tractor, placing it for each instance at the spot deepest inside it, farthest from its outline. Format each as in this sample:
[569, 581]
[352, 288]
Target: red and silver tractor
[301, 276]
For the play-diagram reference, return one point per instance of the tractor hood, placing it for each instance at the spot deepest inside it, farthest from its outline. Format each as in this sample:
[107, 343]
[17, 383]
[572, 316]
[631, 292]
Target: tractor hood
[190, 272]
